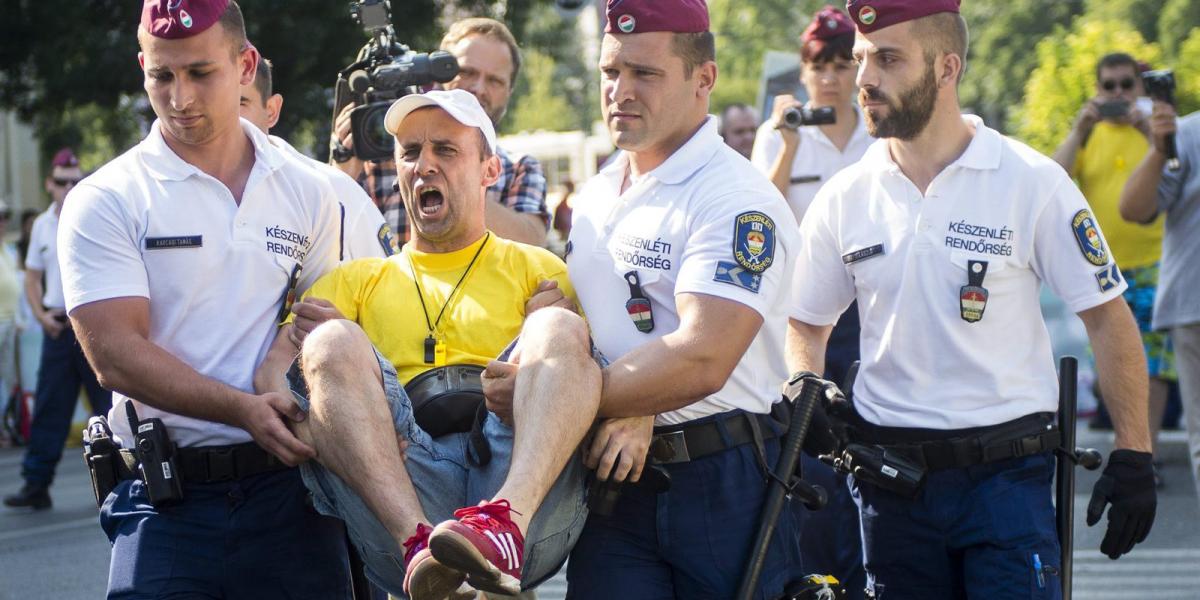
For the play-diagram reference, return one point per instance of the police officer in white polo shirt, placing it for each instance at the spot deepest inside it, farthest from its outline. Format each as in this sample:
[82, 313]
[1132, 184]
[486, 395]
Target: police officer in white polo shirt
[179, 258]
[944, 233]
[680, 252]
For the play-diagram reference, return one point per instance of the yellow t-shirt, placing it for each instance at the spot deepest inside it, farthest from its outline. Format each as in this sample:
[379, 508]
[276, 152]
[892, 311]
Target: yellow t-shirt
[1102, 167]
[485, 314]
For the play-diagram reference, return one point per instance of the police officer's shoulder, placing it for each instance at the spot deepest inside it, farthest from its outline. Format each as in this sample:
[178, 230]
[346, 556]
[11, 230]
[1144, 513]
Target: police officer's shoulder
[1016, 156]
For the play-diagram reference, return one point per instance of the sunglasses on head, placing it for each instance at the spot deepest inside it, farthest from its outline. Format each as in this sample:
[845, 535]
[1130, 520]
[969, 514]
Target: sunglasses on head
[60, 182]
[1111, 84]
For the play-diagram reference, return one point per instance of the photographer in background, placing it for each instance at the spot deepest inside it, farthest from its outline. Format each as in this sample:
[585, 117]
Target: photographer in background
[1109, 138]
[799, 160]
[1153, 189]
[489, 61]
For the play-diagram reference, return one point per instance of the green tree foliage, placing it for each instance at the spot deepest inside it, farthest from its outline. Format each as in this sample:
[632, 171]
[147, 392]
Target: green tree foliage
[1176, 22]
[541, 107]
[557, 90]
[1065, 77]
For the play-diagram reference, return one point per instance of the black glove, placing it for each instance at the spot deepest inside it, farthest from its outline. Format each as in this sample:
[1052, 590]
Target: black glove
[819, 439]
[1127, 483]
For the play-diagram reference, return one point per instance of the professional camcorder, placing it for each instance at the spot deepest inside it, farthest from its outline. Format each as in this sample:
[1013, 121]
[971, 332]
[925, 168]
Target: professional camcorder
[796, 116]
[384, 71]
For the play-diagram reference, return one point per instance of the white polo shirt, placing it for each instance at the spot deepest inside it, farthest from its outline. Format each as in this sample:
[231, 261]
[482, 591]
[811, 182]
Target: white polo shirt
[817, 159]
[363, 230]
[703, 222]
[870, 234]
[149, 224]
[43, 256]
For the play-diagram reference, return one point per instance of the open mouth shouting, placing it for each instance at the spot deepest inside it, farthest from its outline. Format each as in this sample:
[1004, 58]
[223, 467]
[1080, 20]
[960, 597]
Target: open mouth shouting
[430, 200]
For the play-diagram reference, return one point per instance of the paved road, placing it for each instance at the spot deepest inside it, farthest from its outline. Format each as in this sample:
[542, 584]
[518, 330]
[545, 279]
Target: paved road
[61, 554]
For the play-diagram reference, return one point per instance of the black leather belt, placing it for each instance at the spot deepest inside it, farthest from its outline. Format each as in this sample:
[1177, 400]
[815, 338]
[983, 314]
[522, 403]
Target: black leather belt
[1032, 434]
[213, 464]
[691, 441]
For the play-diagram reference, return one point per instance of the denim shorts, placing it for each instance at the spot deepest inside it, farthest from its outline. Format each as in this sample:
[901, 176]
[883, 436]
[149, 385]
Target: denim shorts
[445, 481]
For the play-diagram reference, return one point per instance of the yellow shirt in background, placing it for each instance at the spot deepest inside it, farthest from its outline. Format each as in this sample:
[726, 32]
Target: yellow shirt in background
[1102, 166]
[483, 317]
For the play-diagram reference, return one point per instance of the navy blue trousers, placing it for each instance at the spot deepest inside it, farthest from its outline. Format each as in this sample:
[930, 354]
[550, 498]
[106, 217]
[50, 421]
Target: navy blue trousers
[62, 371]
[973, 533]
[256, 538]
[690, 542]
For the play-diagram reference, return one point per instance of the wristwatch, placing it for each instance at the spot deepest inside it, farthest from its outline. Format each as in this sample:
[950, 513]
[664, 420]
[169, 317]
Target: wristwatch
[338, 152]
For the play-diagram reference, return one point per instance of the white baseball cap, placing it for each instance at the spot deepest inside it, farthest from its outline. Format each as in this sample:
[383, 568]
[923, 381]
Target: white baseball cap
[459, 103]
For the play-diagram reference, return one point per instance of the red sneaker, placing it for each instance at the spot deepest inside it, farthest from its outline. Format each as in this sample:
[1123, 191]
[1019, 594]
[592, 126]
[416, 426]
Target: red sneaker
[426, 578]
[483, 542]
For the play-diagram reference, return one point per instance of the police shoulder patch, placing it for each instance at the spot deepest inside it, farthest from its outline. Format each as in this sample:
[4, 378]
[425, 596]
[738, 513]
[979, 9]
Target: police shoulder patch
[1109, 277]
[1087, 234]
[387, 240]
[728, 272]
[754, 241]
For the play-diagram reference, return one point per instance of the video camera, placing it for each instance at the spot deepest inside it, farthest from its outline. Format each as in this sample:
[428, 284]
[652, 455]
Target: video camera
[796, 116]
[384, 71]
[1160, 85]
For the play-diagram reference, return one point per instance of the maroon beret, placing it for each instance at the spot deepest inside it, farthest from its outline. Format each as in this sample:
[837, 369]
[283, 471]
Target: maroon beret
[64, 158]
[827, 24]
[176, 19]
[643, 16]
[870, 15]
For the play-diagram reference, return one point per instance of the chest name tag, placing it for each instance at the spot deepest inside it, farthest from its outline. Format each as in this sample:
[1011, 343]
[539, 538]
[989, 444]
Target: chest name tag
[178, 241]
[864, 254]
[805, 179]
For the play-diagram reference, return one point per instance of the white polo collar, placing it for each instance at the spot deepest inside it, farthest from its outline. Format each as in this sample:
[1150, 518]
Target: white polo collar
[983, 153]
[162, 162]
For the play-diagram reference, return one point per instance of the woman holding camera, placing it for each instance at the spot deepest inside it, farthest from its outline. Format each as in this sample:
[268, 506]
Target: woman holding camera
[800, 159]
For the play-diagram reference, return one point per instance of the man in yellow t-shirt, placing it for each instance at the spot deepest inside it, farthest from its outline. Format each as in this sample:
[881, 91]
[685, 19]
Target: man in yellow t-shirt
[455, 295]
[1110, 138]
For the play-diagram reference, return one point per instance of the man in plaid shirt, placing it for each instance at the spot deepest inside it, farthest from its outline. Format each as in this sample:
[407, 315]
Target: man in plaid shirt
[488, 60]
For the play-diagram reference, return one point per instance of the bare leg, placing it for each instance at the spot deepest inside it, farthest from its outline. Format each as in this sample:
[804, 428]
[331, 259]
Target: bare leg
[349, 424]
[556, 396]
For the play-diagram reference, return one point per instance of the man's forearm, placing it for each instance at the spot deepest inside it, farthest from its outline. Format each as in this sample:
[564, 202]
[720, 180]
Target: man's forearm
[1139, 199]
[509, 224]
[34, 292]
[805, 346]
[780, 172]
[657, 377]
[271, 374]
[1121, 364]
[1065, 154]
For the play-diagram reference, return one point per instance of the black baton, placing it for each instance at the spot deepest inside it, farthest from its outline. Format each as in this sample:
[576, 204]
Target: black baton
[1066, 458]
[789, 455]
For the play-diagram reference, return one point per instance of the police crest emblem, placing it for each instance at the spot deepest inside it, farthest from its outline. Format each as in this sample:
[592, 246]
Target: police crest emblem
[1088, 237]
[387, 240]
[754, 241]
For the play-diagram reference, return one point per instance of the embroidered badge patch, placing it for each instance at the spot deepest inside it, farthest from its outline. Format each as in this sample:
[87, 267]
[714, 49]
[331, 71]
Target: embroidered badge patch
[387, 240]
[732, 274]
[178, 241]
[1088, 236]
[754, 241]
[1108, 277]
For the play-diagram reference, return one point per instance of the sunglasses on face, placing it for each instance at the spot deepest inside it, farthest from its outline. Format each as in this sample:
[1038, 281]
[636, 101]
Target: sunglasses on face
[65, 182]
[1111, 84]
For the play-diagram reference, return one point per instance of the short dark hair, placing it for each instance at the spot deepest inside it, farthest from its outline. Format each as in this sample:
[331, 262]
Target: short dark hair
[235, 26]
[1116, 59]
[695, 49]
[486, 27]
[724, 121]
[946, 33]
[263, 79]
[821, 51]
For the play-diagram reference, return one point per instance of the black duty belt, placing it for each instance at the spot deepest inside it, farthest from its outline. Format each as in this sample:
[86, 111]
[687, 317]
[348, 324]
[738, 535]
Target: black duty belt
[214, 464]
[691, 441]
[1029, 435]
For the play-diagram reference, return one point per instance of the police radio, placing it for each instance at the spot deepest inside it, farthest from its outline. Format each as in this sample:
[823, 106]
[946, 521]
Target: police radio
[156, 458]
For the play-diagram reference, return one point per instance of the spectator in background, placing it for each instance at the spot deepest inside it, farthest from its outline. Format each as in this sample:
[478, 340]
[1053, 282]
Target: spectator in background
[489, 61]
[10, 292]
[1108, 139]
[27, 217]
[1153, 189]
[737, 128]
[563, 212]
[63, 368]
[799, 161]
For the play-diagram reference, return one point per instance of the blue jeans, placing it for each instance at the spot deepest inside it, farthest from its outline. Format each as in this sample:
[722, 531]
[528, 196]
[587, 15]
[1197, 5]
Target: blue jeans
[831, 542]
[976, 532]
[691, 541]
[62, 371]
[255, 538]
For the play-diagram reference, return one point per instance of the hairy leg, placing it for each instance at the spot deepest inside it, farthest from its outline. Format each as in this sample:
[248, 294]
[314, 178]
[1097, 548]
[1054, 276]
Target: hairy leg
[350, 424]
[556, 396]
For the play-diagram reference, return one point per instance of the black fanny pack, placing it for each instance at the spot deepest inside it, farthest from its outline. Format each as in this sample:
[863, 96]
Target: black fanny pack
[447, 399]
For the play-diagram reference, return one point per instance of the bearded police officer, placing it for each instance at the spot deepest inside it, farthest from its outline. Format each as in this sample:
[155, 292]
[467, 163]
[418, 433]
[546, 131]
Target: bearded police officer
[681, 255]
[177, 260]
[944, 233]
